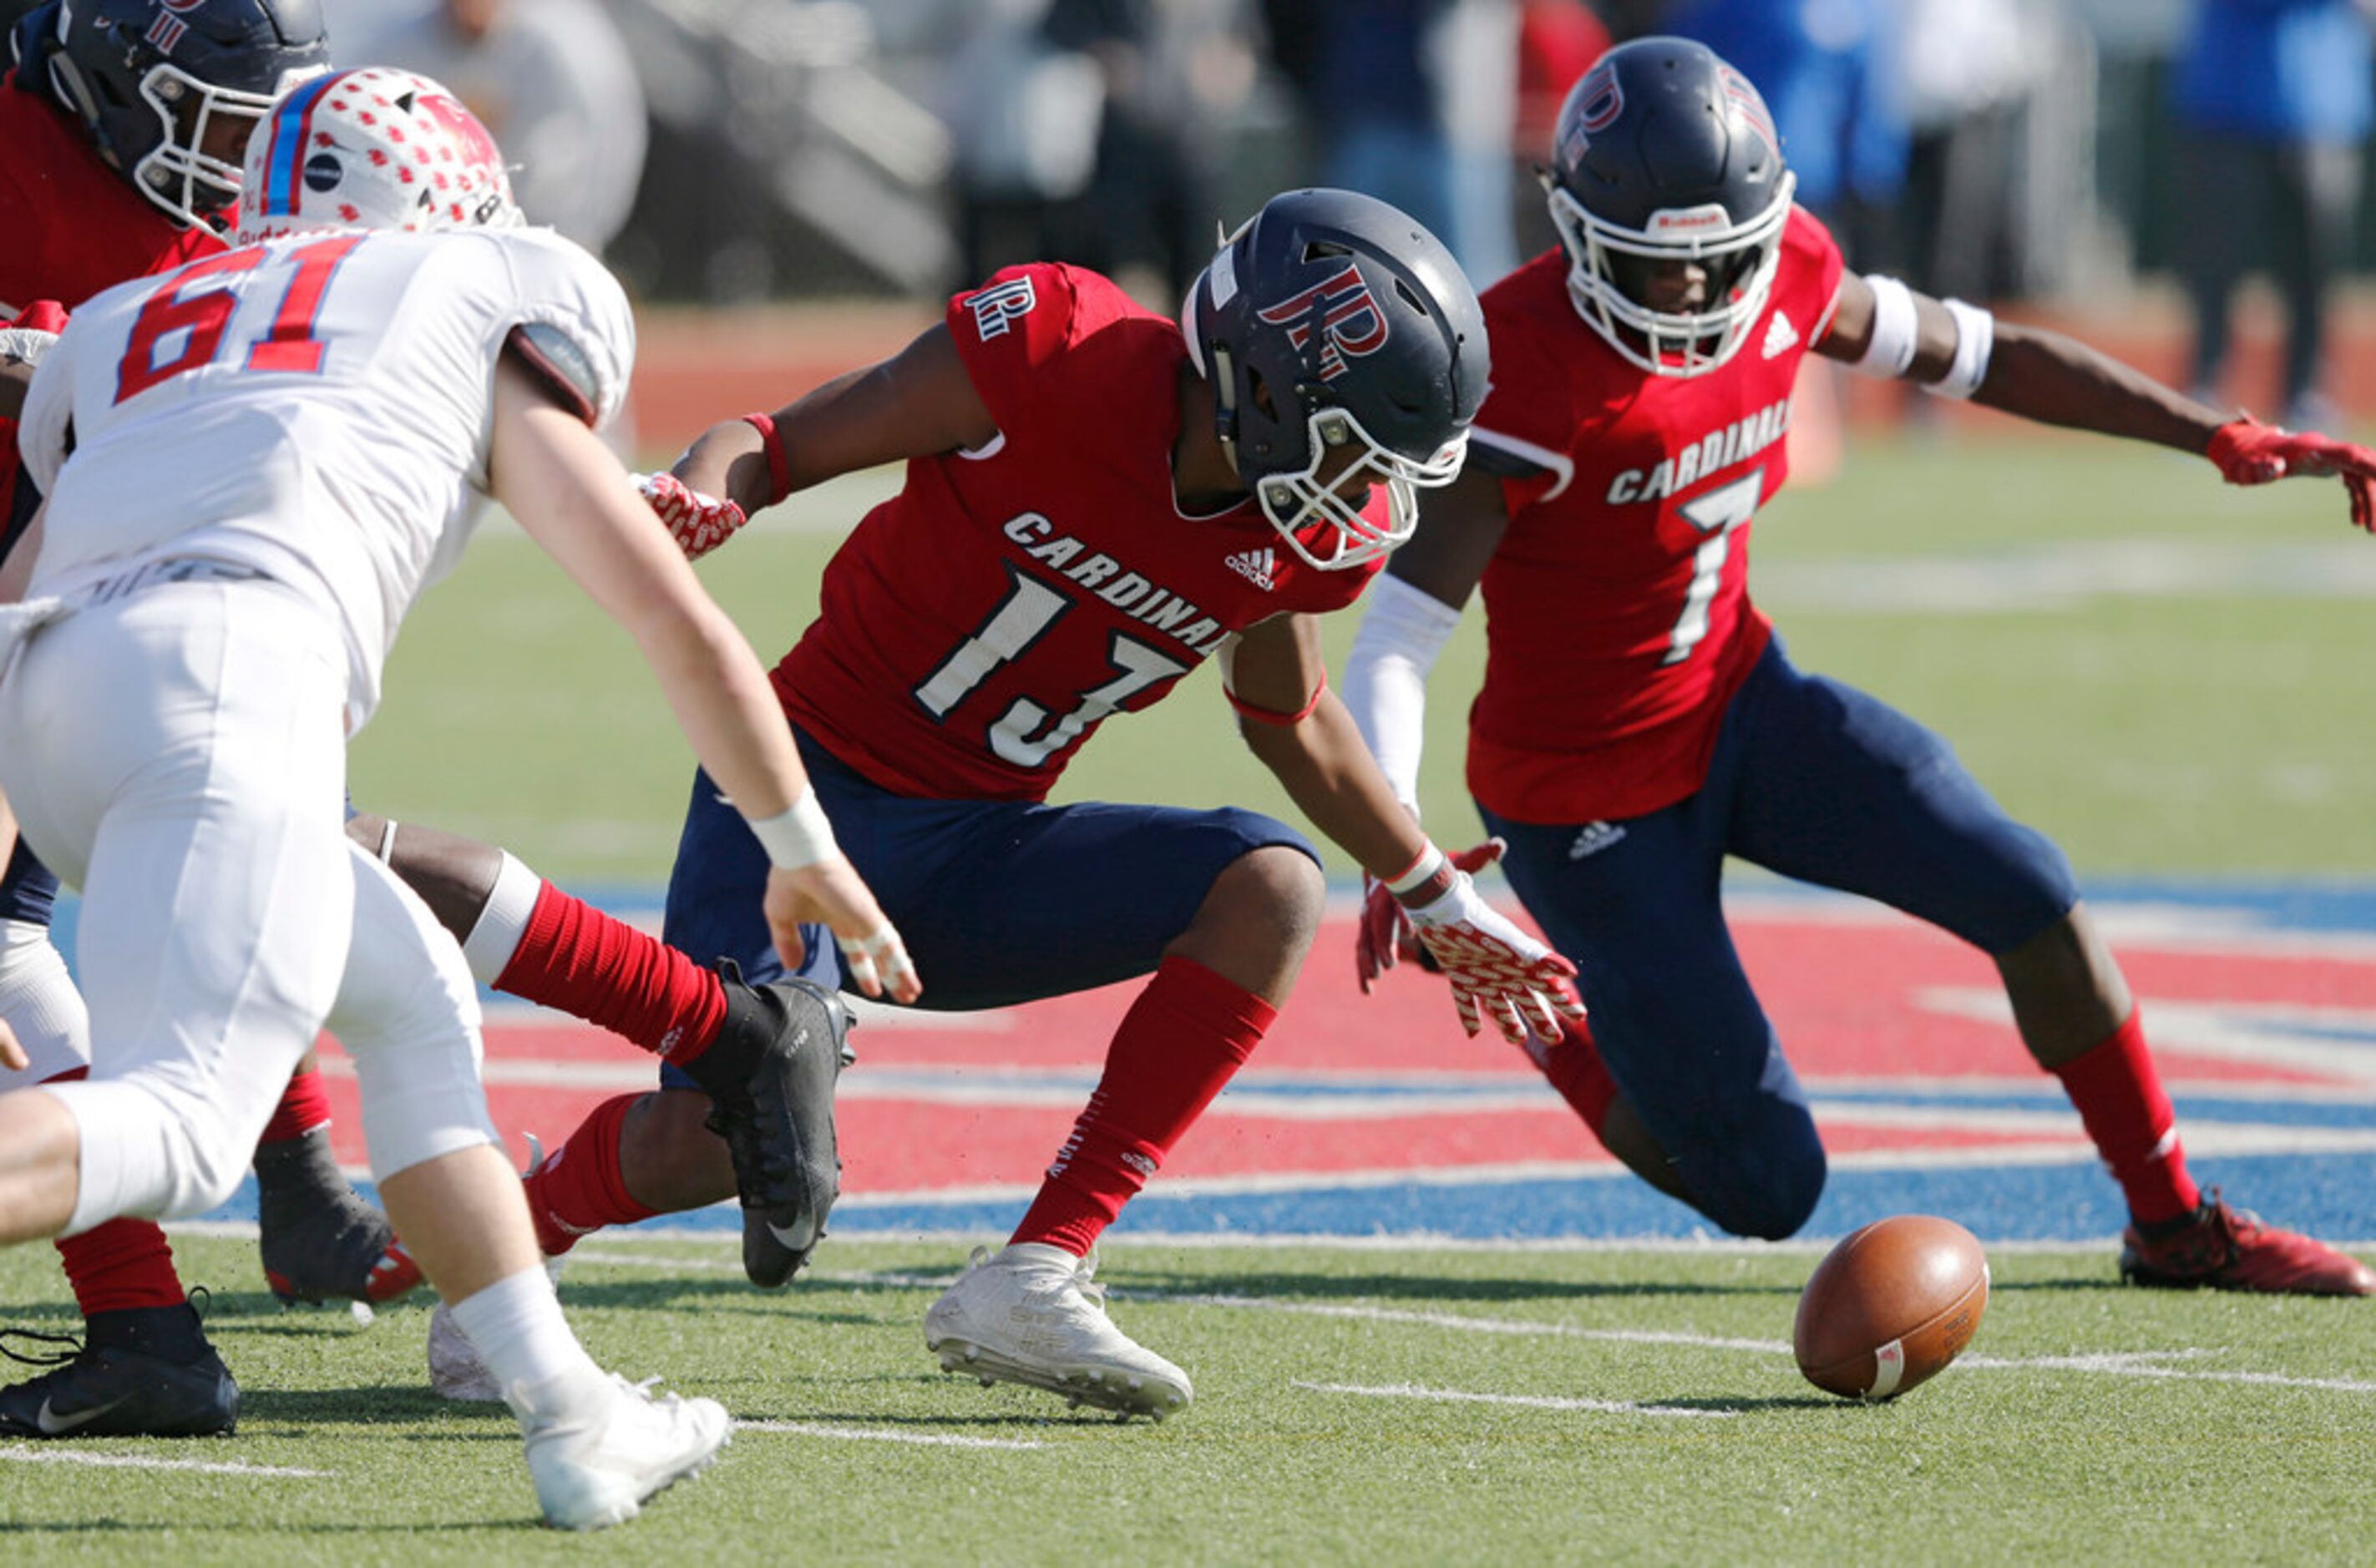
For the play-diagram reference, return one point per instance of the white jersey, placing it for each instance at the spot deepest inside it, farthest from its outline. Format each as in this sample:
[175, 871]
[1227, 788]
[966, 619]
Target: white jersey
[318, 408]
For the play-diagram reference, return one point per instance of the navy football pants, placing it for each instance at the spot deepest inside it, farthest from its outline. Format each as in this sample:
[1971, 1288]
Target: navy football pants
[999, 901]
[1817, 782]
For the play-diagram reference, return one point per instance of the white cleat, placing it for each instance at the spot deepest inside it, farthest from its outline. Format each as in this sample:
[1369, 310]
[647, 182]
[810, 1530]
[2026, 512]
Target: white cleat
[614, 1445]
[1035, 1315]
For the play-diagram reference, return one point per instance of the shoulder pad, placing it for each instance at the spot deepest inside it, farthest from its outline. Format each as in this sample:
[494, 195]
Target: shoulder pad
[561, 364]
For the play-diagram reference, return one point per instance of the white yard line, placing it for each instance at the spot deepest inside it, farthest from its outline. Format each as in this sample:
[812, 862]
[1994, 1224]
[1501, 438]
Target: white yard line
[876, 1434]
[139, 1462]
[1527, 1401]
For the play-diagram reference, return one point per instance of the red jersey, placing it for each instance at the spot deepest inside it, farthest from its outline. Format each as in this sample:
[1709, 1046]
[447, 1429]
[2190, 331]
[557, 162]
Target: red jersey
[975, 628]
[74, 225]
[1617, 605]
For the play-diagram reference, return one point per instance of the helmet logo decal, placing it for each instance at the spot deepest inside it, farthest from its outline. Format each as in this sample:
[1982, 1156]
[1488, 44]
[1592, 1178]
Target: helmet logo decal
[471, 143]
[1752, 108]
[169, 28]
[1599, 99]
[323, 172]
[1342, 308]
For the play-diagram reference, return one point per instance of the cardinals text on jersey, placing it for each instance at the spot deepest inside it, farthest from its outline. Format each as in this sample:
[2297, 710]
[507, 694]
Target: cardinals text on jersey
[977, 626]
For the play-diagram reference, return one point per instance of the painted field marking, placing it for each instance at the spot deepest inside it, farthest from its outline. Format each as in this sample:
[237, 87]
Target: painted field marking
[136, 1462]
[1529, 1401]
[874, 1435]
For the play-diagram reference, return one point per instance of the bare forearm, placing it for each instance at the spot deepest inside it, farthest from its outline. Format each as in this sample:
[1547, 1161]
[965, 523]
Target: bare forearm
[723, 703]
[1330, 775]
[2056, 380]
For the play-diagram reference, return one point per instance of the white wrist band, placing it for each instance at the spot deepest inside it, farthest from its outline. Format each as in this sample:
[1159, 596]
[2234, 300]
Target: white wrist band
[1890, 350]
[799, 836]
[1430, 862]
[1976, 332]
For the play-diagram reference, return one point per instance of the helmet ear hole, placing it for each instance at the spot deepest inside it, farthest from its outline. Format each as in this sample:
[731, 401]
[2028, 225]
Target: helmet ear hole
[1258, 393]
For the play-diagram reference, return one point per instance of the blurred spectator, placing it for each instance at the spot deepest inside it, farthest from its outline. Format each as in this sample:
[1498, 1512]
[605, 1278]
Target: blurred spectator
[1373, 103]
[551, 78]
[1824, 68]
[2272, 99]
[1473, 51]
[1086, 131]
[1558, 42]
[1964, 73]
[1023, 115]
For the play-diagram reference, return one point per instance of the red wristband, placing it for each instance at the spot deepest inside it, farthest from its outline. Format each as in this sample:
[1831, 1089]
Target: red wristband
[779, 465]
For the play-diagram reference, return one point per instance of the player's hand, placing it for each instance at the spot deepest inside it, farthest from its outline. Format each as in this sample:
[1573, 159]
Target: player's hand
[698, 523]
[1495, 968]
[1386, 936]
[12, 1054]
[2248, 452]
[830, 893]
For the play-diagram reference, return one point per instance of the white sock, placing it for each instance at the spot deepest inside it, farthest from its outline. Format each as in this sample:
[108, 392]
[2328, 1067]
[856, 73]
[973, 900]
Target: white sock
[496, 934]
[516, 1328]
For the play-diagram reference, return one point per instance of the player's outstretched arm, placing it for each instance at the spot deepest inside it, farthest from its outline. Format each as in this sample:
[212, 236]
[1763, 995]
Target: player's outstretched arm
[1302, 734]
[1413, 611]
[1882, 328]
[572, 497]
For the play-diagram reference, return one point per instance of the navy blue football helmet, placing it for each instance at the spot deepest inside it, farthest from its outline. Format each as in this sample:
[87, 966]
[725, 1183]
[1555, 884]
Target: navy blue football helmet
[1331, 321]
[151, 78]
[1665, 153]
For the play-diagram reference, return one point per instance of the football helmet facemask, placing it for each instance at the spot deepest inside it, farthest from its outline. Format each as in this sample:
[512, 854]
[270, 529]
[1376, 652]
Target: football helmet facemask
[152, 81]
[372, 149]
[1345, 349]
[1664, 155]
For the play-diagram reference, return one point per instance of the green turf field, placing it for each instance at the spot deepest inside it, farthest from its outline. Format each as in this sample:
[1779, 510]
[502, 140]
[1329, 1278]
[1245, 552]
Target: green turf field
[1652, 1416]
[2164, 673]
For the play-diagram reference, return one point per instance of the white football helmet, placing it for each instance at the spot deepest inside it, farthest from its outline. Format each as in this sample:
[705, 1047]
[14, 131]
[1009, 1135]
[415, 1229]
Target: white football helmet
[372, 149]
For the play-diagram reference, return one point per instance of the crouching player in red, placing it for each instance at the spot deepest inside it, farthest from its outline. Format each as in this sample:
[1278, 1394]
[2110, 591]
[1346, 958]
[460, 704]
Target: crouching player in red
[1639, 720]
[1096, 503]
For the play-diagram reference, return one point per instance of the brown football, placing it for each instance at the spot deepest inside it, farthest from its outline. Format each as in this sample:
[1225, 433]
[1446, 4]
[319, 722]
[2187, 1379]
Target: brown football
[1891, 1306]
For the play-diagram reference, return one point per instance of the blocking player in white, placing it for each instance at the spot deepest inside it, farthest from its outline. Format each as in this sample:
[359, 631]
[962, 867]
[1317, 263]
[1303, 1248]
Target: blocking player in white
[272, 452]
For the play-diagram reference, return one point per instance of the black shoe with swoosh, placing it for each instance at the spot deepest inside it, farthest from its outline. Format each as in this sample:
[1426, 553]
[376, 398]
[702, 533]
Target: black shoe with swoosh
[144, 1372]
[784, 1045]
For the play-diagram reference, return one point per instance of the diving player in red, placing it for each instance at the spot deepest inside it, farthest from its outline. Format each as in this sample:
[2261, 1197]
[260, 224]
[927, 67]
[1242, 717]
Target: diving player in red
[1640, 721]
[1098, 500]
[123, 127]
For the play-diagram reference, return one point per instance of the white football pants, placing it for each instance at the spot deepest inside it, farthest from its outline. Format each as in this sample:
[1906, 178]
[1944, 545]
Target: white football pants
[178, 754]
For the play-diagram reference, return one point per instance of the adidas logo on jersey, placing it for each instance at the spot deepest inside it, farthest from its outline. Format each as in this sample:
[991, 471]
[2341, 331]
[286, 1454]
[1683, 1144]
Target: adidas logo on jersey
[1254, 565]
[1779, 335]
[1595, 838]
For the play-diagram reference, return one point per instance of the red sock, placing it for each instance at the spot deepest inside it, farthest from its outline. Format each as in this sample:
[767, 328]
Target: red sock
[125, 1263]
[576, 959]
[1572, 1065]
[2120, 1098]
[305, 1105]
[579, 1190]
[1184, 1037]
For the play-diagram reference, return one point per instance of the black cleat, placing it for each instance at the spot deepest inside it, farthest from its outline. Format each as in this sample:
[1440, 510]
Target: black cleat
[320, 1241]
[144, 1372]
[787, 1042]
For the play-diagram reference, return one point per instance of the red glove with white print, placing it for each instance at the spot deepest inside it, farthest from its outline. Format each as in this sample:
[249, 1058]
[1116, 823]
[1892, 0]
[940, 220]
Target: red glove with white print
[1386, 936]
[2248, 452]
[1495, 968]
[698, 523]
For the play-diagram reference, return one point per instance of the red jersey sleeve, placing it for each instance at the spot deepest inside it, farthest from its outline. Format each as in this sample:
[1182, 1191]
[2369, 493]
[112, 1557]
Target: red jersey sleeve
[1022, 336]
[1814, 247]
[1529, 419]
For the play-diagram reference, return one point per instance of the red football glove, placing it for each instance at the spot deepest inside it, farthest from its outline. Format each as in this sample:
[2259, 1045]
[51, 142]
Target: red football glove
[1496, 969]
[1386, 936]
[698, 523]
[2248, 452]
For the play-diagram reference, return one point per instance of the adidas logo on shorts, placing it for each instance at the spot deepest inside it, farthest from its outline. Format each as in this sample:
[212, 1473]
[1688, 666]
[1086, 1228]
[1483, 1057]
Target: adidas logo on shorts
[1594, 838]
[1254, 565]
